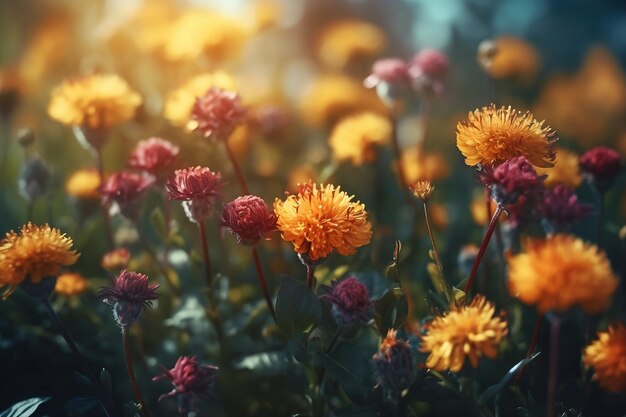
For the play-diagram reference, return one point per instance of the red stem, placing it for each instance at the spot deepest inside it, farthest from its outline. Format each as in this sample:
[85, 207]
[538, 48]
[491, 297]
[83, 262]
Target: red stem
[483, 248]
[238, 173]
[531, 347]
[131, 372]
[555, 327]
[261, 276]
[310, 277]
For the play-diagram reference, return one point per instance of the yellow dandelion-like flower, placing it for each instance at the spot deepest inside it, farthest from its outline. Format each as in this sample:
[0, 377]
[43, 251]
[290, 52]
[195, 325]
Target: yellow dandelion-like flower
[179, 103]
[470, 331]
[37, 252]
[355, 138]
[70, 283]
[560, 272]
[490, 136]
[95, 101]
[421, 166]
[565, 171]
[84, 183]
[422, 189]
[342, 41]
[607, 357]
[321, 219]
[333, 97]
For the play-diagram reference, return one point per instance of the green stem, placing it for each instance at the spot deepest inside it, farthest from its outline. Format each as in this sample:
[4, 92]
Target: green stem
[447, 290]
[97, 155]
[261, 277]
[238, 173]
[531, 347]
[131, 372]
[555, 327]
[310, 277]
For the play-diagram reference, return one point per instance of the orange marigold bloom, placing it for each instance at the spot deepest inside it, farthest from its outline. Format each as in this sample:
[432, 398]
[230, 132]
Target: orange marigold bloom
[470, 331]
[565, 171]
[70, 283]
[84, 183]
[322, 218]
[355, 138]
[94, 101]
[607, 357]
[491, 136]
[37, 252]
[561, 272]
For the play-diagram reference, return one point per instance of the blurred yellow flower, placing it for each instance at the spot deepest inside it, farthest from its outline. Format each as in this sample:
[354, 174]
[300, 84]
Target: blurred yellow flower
[35, 253]
[84, 183]
[179, 102]
[561, 272]
[321, 219]
[420, 166]
[333, 97]
[565, 170]
[469, 331]
[355, 138]
[490, 136]
[342, 41]
[509, 57]
[197, 32]
[94, 101]
[607, 357]
[70, 283]
[478, 209]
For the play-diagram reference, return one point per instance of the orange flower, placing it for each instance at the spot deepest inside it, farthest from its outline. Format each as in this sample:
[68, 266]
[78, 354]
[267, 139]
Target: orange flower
[470, 331]
[490, 136]
[70, 283]
[37, 252]
[560, 272]
[322, 218]
[565, 171]
[421, 166]
[93, 101]
[509, 57]
[84, 183]
[355, 138]
[607, 357]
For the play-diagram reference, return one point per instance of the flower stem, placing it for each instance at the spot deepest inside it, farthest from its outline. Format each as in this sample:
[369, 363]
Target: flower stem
[261, 276]
[162, 268]
[105, 402]
[600, 204]
[447, 290]
[97, 155]
[205, 255]
[555, 327]
[483, 248]
[131, 372]
[310, 277]
[531, 347]
[395, 142]
[238, 173]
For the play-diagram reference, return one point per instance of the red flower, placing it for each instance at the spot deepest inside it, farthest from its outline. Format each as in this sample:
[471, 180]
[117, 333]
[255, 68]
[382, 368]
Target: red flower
[600, 166]
[218, 113]
[351, 301]
[153, 155]
[126, 189]
[198, 188]
[192, 381]
[560, 208]
[391, 70]
[427, 70]
[249, 218]
[129, 295]
[511, 180]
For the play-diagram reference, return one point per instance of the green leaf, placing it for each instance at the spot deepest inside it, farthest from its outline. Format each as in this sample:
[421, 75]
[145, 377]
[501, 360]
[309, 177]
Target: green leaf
[82, 380]
[490, 393]
[439, 282]
[80, 406]
[107, 385]
[297, 308]
[266, 363]
[352, 369]
[24, 408]
[393, 270]
[391, 310]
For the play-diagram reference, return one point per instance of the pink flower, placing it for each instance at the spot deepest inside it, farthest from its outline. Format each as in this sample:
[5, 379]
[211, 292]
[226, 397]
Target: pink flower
[395, 364]
[218, 113]
[192, 381]
[391, 70]
[600, 166]
[198, 188]
[126, 189]
[427, 69]
[560, 208]
[511, 180]
[129, 295]
[249, 218]
[153, 155]
[351, 301]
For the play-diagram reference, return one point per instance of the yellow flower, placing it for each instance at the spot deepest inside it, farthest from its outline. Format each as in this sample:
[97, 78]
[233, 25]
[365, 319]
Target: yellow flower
[37, 252]
[333, 97]
[509, 57]
[561, 272]
[322, 218]
[420, 166]
[565, 170]
[84, 183]
[70, 283]
[422, 189]
[607, 357]
[93, 101]
[355, 138]
[196, 33]
[490, 136]
[470, 332]
[342, 41]
[180, 102]
[478, 209]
